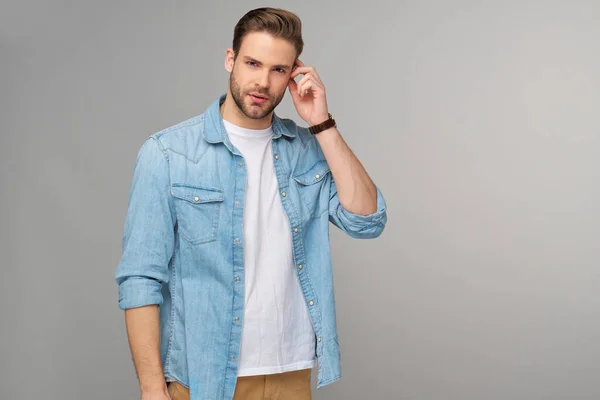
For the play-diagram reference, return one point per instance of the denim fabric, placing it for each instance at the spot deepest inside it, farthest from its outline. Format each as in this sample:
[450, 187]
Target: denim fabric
[183, 245]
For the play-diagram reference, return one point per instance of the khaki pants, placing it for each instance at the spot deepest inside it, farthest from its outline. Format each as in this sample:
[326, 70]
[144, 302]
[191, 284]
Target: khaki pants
[293, 385]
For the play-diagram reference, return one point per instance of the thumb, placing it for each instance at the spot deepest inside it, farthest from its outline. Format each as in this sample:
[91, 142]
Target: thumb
[293, 87]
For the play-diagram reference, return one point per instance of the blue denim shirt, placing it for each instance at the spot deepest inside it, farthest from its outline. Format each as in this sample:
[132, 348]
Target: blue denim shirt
[183, 245]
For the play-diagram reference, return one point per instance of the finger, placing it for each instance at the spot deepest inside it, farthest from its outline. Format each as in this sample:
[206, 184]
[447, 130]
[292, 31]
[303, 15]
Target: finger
[307, 71]
[301, 82]
[306, 87]
[315, 85]
[300, 63]
[293, 86]
[301, 70]
[310, 77]
[317, 77]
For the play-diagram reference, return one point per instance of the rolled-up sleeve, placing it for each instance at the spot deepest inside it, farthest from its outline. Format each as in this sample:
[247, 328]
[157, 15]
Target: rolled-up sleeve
[148, 237]
[355, 225]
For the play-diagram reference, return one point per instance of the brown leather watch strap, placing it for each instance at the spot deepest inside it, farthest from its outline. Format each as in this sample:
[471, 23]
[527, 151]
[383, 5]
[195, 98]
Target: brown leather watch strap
[329, 123]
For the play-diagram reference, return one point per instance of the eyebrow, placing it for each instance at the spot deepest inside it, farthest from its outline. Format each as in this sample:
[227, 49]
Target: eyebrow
[282, 66]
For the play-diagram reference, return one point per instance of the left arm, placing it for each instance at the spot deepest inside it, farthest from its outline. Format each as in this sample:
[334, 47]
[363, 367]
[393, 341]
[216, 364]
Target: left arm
[364, 210]
[356, 190]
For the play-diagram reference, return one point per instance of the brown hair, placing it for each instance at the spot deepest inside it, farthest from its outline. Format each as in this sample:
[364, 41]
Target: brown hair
[274, 21]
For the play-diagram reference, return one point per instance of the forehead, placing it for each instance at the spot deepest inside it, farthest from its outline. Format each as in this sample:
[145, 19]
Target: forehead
[267, 49]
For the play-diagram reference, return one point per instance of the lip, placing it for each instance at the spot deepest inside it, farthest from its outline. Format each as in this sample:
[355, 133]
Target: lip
[258, 98]
[255, 94]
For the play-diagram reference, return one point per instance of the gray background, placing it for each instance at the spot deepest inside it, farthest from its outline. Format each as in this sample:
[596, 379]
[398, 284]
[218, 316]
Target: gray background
[478, 120]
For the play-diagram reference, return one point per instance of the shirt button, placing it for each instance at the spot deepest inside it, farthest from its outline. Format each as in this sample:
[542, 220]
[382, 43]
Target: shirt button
[232, 358]
[236, 319]
[319, 339]
[276, 156]
[295, 229]
[310, 303]
[237, 278]
[237, 203]
[196, 198]
[240, 165]
[283, 194]
[317, 176]
[300, 266]
[237, 240]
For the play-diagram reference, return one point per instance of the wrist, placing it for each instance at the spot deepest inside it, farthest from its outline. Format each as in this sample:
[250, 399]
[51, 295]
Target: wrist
[319, 127]
[157, 386]
[318, 120]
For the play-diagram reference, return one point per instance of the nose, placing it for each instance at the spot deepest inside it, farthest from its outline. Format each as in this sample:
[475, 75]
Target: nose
[264, 79]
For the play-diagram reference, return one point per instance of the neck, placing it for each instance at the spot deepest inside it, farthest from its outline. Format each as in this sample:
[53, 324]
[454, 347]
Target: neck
[232, 113]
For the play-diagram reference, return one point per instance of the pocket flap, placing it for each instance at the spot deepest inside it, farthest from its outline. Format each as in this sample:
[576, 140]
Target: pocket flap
[314, 174]
[196, 194]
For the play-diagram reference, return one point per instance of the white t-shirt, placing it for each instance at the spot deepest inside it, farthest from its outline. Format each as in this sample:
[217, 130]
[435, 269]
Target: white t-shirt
[277, 334]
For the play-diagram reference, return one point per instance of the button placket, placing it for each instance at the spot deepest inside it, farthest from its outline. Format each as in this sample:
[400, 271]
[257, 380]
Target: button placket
[298, 245]
[237, 223]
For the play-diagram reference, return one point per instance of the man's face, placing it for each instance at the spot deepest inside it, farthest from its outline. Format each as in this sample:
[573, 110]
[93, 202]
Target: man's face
[260, 74]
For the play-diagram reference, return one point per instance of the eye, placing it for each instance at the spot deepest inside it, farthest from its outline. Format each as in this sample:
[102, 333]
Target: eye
[280, 70]
[251, 63]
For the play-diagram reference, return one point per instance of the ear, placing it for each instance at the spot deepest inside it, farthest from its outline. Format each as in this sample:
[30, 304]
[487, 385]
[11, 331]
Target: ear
[229, 60]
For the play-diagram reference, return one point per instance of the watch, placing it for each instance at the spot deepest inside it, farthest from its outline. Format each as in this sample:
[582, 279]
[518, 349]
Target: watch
[329, 123]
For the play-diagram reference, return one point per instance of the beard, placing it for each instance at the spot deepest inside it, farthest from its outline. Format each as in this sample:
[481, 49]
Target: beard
[253, 111]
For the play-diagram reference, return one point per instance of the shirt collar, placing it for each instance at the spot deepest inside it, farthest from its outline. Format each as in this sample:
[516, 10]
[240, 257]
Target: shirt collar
[214, 129]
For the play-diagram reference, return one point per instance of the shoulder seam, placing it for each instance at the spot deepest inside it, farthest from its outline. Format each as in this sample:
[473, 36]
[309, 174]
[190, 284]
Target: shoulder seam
[185, 124]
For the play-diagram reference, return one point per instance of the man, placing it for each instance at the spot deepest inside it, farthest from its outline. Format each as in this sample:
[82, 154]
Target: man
[226, 273]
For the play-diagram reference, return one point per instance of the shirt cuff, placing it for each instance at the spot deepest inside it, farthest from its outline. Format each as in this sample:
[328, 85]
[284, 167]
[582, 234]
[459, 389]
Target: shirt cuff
[138, 292]
[362, 221]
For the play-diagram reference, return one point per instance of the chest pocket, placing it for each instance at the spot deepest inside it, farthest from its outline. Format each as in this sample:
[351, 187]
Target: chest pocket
[198, 210]
[313, 188]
